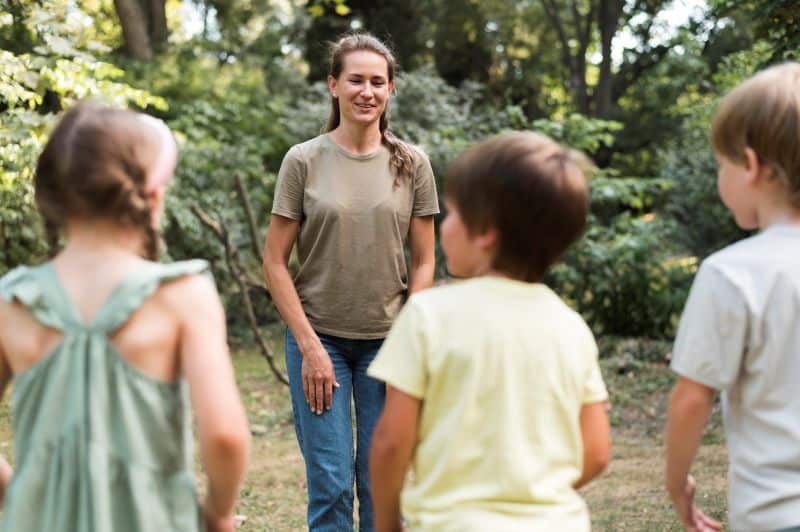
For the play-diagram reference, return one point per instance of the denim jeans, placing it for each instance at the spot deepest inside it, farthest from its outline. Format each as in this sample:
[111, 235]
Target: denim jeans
[326, 440]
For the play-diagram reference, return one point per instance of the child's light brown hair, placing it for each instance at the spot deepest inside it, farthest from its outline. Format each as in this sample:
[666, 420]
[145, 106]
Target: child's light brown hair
[763, 114]
[95, 166]
[528, 188]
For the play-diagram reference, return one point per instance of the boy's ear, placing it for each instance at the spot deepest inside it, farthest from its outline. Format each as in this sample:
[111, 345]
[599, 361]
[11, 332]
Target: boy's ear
[487, 240]
[756, 169]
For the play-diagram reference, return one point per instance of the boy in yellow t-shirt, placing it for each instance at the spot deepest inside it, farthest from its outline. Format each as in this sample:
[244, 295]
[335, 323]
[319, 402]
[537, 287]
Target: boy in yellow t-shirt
[494, 394]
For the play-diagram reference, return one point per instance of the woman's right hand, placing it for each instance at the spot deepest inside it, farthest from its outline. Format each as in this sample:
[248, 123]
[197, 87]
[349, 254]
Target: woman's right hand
[319, 379]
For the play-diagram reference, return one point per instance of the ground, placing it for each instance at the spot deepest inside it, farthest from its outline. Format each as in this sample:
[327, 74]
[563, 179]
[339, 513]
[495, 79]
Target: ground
[627, 497]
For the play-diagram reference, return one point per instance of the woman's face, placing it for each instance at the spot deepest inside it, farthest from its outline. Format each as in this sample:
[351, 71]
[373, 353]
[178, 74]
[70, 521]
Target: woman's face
[362, 88]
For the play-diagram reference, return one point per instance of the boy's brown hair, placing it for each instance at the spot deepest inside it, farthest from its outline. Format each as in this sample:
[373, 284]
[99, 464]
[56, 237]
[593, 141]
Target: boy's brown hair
[528, 188]
[763, 114]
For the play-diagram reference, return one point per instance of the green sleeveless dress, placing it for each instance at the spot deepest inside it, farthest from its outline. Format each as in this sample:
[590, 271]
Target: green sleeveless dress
[98, 445]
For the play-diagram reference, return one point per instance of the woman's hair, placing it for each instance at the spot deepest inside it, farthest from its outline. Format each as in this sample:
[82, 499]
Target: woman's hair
[528, 188]
[401, 159]
[763, 114]
[95, 166]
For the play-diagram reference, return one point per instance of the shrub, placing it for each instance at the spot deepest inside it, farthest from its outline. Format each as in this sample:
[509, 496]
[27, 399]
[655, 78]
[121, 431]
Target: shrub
[625, 279]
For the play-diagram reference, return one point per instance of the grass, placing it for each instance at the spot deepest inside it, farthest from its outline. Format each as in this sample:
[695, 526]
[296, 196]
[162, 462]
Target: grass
[628, 496]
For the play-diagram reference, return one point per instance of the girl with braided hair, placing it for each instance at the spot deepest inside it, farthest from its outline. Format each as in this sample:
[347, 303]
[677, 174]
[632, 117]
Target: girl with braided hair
[110, 351]
[350, 199]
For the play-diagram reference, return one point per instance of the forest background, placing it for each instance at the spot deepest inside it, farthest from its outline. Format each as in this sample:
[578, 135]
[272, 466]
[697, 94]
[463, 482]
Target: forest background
[633, 83]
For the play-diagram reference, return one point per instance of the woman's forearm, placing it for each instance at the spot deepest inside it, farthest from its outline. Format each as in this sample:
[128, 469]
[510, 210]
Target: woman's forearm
[284, 295]
[421, 276]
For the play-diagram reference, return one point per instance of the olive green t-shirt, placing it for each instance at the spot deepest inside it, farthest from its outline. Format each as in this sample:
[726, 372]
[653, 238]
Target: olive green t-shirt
[354, 221]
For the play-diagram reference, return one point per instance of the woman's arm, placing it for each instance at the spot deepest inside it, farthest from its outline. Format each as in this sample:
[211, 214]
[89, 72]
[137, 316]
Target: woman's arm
[317, 372]
[222, 429]
[596, 435]
[390, 453]
[423, 255]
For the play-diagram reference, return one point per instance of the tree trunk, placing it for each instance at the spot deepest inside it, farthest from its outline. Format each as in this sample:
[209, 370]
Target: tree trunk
[133, 20]
[608, 19]
[158, 23]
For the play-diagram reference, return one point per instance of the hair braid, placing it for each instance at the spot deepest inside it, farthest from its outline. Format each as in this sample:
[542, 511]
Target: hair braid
[95, 166]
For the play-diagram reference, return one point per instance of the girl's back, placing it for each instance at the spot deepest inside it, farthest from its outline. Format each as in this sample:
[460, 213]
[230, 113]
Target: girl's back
[110, 349]
[102, 423]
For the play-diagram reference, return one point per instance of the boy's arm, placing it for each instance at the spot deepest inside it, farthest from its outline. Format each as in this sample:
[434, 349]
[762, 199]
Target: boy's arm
[689, 408]
[596, 436]
[392, 446]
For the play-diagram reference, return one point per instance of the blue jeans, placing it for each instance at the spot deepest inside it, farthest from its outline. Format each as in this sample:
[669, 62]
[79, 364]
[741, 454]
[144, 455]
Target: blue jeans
[326, 440]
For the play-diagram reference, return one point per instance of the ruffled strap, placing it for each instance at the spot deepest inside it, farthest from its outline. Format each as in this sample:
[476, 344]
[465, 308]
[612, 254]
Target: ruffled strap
[132, 292]
[29, 286]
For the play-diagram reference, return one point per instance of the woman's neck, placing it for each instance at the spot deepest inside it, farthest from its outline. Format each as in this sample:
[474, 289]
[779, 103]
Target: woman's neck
[357, 138]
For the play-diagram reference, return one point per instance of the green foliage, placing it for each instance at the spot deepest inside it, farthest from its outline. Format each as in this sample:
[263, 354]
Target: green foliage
[637, 196]
[777, 22]
[579, 131]
[53, 65]
[624, 278]
[706, 225]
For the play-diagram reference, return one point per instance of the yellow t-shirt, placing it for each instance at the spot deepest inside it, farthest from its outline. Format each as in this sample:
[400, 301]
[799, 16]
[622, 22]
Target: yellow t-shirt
[503, 368]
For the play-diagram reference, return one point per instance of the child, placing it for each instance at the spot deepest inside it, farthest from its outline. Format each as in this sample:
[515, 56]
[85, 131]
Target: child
[494, 393]
[103, 342]
[739, 331]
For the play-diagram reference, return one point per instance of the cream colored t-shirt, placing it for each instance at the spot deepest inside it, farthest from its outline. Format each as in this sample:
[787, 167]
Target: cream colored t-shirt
[740, 333]
[503, 368]
[354, 222]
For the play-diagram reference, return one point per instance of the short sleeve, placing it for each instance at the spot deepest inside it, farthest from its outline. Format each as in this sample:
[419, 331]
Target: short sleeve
[426, 201]
[290, 185]
[594, 388]
[402, 360]
[711, 338]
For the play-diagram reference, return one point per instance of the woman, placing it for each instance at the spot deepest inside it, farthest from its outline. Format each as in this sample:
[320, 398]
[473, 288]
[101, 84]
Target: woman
[351, 198]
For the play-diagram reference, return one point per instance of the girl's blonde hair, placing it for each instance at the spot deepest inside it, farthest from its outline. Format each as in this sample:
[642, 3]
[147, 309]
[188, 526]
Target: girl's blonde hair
[95, 166]
[763, 114]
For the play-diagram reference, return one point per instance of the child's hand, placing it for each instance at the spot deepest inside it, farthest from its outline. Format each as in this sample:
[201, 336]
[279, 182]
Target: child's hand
[220, 524]
[690, 515]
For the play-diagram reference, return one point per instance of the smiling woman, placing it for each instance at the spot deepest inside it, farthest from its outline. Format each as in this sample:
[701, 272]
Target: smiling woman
[351, 199]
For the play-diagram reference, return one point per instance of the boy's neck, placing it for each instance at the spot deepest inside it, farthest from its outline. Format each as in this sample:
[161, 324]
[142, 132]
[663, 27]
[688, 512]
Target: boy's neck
[774, 208]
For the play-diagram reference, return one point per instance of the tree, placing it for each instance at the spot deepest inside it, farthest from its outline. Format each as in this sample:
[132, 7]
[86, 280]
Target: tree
[462, 50]
[399, 23]
[144, 26]
[776, 22]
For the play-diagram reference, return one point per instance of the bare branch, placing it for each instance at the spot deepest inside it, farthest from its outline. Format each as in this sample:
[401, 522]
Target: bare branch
[244, 197]
[244, 282]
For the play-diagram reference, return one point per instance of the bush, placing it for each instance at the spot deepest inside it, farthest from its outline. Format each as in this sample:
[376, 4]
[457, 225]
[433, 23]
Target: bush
[706, 225]
[624, 280]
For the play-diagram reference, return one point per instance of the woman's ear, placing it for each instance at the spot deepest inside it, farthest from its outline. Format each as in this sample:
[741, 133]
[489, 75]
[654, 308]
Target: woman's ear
[332, 86]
